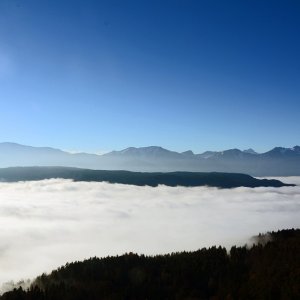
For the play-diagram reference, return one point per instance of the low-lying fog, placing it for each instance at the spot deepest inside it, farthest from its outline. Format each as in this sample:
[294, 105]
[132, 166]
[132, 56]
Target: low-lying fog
[45, 224]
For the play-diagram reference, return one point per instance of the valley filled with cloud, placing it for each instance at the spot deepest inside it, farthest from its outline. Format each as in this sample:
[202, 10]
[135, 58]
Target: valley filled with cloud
[45, 224]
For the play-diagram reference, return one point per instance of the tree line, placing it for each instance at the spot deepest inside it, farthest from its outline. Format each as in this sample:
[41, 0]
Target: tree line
[269, 269]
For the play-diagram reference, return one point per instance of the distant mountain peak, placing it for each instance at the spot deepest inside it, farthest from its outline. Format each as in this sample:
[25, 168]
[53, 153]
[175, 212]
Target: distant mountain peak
[150, 151]
[13, 145]
[20, 147]
[284, 152]
[250, 151]
[231, 152]
[188, 153]
[127, 150]
[280, 149]
[10, 143]
[147, 149]
[207, 154]
[296, 149]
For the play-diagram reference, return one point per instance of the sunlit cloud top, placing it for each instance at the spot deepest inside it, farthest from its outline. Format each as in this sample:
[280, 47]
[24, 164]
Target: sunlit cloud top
[45, 224]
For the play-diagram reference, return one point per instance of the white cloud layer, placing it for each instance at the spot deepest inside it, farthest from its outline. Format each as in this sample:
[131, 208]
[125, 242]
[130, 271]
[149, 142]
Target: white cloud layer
[45, 224]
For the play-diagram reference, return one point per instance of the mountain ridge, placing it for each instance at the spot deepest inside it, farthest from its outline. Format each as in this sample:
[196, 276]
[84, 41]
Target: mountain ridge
[278, 161]
[187, 179]
[280, 149]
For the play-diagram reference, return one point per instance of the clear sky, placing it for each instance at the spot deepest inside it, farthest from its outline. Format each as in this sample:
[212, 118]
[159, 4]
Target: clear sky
[104, 75]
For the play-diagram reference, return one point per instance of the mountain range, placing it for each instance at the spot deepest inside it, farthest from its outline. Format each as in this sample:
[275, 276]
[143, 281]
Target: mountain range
[279, 161]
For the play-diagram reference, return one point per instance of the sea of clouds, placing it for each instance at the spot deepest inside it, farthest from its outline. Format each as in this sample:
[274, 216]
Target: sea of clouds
[44, 224]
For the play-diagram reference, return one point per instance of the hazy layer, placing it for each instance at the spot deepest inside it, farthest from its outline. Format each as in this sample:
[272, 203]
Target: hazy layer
[45, 224]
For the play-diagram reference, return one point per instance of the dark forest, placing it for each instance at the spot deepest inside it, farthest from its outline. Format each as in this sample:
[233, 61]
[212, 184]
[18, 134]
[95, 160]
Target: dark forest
[269, 269]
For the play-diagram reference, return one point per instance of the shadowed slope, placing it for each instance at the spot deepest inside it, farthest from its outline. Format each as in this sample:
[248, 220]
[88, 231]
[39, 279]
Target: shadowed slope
[221, 180]
[267, 270]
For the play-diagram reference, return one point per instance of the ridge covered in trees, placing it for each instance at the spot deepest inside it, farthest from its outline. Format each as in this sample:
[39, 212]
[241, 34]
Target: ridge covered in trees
[215, 179]
[269, 269]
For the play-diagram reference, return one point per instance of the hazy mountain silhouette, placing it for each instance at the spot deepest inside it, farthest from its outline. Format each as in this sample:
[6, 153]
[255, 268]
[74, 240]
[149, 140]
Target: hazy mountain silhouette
[250, 150]
[276, 162]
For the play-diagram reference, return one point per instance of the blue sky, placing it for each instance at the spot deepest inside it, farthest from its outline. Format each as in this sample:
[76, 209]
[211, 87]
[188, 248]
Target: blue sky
[103, 75]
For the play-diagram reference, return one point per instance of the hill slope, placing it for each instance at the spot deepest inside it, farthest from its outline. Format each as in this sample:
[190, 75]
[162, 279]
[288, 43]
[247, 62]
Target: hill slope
[267, 270]
[221, 180]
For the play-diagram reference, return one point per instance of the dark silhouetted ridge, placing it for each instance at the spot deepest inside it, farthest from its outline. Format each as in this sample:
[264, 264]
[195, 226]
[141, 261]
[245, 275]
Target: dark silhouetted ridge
[214, 179]
[269, 269]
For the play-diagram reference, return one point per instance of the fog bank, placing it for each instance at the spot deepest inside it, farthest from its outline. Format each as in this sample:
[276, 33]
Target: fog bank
[45, 224]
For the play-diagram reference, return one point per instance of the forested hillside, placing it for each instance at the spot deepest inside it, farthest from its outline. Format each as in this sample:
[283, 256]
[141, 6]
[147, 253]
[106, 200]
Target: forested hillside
[270, 269]
[215, 179]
